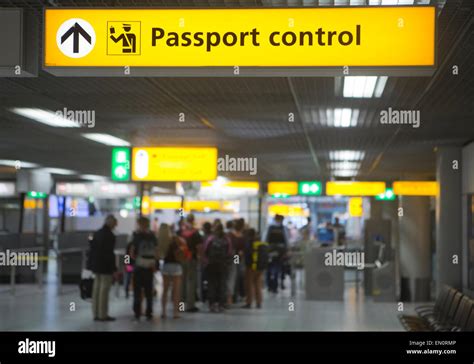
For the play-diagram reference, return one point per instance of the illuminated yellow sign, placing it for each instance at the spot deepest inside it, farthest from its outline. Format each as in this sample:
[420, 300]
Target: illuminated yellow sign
[314, 37]
[415, 188]
[174, 164]
[288, 210]
[282, 189]
[344, 188]
[355, 207]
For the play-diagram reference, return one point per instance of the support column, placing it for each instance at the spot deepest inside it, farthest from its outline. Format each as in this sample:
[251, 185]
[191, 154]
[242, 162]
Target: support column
[449, 218]
[415, 252]
[376, 208]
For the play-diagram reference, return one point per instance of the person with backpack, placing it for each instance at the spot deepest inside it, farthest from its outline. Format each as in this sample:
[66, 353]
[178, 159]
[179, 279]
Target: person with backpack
[173, 250]
[102, 264]
[277, 239]
[128, 268]
[217, 252]
[206, 233]
[144, 251]
[256, 262]
[234, 273]
[190, 268]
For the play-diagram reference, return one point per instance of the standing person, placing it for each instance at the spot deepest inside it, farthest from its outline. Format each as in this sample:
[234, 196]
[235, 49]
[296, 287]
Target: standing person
[256, 261]
[156, 226]
[102, 264]
[277, 238]
[339, 232]
[128, 270]
[206, 232]
[218, 251]
[216, 222]
[173, 251]
[229, 225]
[234, 275]
[145, 252]
[194, 242]
[306, 232]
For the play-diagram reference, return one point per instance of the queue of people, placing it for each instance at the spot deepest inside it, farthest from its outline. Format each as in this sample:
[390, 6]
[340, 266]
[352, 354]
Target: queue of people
[217, 264]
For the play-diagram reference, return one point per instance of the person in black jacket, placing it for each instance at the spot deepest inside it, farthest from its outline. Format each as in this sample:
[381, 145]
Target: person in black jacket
[277, 239]
[102, 264]
[144, 250]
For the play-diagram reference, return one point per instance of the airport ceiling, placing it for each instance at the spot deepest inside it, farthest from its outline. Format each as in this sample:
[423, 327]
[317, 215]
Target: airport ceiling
[248, 117]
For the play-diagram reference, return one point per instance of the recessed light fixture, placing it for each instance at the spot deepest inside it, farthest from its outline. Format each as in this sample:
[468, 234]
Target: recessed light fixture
[344, 165]
[93, 177]
[346, 155]
[364, 86]
[342, 117]
[46, 117]
[17, 164]
[345, 173]
[106, 139]
[396, 2]
[61, 171]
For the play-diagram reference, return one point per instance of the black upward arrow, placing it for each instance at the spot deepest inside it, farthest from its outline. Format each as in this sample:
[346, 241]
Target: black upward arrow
[75, 30]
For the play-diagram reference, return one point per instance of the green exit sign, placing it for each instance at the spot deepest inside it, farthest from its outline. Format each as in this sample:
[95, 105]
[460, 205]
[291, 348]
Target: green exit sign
[310, 188]
[34, 194]
[121, 164]
[388, 195]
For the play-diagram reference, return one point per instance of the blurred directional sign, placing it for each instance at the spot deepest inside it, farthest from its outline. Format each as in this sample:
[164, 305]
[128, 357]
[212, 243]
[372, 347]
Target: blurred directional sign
[346, 188]
[415, 188]
[121, 164]
[310, 188]
[174, 164]
[282, 189]
[388, 195]
[36, 195]
[356, 208]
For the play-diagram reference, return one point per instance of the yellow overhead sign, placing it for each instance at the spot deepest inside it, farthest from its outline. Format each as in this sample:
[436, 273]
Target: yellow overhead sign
[415, 188]
[174, 164]
[281, 189]
[313, 37]
[344, 188]
[288, 210]
[356, 208]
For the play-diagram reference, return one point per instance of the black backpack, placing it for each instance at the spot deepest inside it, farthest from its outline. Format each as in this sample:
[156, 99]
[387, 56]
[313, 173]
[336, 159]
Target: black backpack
[276, 235]
[145, 257]
[217, 251]
[262, 257]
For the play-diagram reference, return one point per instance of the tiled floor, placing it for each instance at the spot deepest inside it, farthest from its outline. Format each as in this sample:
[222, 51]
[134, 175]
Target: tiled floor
[32, 309]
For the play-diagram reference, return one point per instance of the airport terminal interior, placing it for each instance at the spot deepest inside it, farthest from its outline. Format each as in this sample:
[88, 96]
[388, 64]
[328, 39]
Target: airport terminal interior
[336, 201]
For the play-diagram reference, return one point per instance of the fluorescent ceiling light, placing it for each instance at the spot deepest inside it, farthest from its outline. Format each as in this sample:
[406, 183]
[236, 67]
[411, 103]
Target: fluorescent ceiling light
[17, 164]
[346, 155]
[106, 139]
[93, 177]
[344, 165]
[45, 116]
[380, 86]
[364, 86]
[345, 173]
[395, 2]
[62, 171]
[342, 118]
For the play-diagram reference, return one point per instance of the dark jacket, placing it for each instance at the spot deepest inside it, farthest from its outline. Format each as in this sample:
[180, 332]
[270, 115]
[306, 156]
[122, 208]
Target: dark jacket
[102, 257]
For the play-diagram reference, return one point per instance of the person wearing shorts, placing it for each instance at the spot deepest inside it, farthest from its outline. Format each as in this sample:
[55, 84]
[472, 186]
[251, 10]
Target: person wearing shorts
[172, 274]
